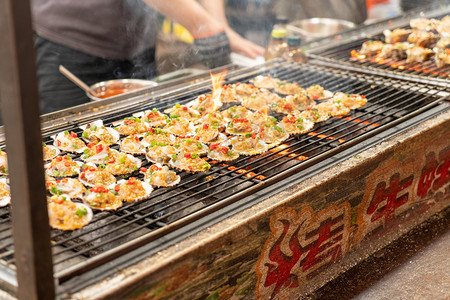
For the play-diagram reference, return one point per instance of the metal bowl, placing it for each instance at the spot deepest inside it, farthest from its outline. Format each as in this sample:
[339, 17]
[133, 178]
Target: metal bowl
[314, 28]
[110, 88]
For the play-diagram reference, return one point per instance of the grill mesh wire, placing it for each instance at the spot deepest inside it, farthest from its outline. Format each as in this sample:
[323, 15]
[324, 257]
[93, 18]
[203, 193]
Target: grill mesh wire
[387, 102]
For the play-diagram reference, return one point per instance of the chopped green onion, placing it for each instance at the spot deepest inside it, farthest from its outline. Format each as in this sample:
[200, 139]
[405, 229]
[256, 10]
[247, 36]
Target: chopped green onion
[81, 212]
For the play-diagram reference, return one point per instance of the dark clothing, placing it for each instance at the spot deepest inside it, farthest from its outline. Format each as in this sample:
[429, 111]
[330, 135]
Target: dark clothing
[57, 92]
[114, 29]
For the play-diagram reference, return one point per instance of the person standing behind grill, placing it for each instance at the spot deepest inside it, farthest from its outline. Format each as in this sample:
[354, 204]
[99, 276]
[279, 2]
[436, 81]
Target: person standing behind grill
[100, 40]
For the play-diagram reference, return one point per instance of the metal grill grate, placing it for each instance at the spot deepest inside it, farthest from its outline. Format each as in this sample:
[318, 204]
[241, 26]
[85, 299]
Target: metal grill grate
[111, 234]
[348, 53]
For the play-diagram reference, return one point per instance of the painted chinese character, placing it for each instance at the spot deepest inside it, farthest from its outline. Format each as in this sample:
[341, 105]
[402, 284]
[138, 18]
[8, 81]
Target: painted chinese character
[300, 247]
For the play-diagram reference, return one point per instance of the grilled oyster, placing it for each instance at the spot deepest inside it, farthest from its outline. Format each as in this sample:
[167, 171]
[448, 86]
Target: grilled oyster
[423, 24]
[371, 47]
[160, 176]
[160, 153]
[130, 126]
[239, 126]
[442, 58]
[3, 163]
[62, 166]
[131, 144]
[157, 135]
[153, 118]
[190, 162]
[423, 38]
[317, 92]
[396, 51]
[259, 99]
[190, 144]
[235, 112]
[259, 117]
[228, 93]
[249, 144]
[64, 214]
[5, 194]
[122, 164]
[418, 54]
[93, 176]
[296, 124]
[273, 132]
[397, 35]
[205, 104]
[288, 88]
[333, 108]
[220, 152]
[97, 153]
[95, 132]
[179, 126]
[103, 198]
[244, 89]
[68, 186]
[207, 133]
[183, 112]
[352, 101]
[68, 141]
[264, 82]
[214, 119]
[133, 189]
[49, 152]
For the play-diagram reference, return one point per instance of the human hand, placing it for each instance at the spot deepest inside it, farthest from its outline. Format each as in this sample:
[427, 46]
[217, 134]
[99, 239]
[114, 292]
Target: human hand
[243, 46]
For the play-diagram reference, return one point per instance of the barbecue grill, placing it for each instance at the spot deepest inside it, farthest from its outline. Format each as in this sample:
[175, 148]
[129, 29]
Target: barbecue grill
[208, 216]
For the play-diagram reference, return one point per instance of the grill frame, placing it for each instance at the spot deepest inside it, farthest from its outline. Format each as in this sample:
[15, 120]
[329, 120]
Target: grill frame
[241, 75]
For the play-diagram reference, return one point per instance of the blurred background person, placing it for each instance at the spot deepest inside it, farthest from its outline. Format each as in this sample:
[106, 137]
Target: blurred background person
[100, 40]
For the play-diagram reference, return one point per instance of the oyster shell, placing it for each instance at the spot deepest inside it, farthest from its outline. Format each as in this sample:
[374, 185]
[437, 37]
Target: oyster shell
[5, 194]
[160, 153]
[95, 132]
[49, 152]
[131, 125]
[132, 189]
[69, 142]
[122, 164]
[273, 133]
[190, 162]
[68, 186]
[205, 104]
[220, 152]
[180, 126]
[249, 144]
[103, 198]
[190, 144]
[131, 144]
[160, 176]
[333, 108]
[352, 101]
[64, 214]
[183, 111]
[317, 92]
[153, 118]
[63, 166]
[93, 176]
[3, 163]
[97, 153]
[157, 135]
[296, 124]
[288, 88]
[264, 82]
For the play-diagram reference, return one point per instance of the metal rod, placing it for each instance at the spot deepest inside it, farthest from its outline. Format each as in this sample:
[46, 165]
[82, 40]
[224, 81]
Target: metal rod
[20, 111]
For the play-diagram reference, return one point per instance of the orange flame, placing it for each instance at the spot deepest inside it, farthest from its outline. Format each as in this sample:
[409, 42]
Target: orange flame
[216, 82]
